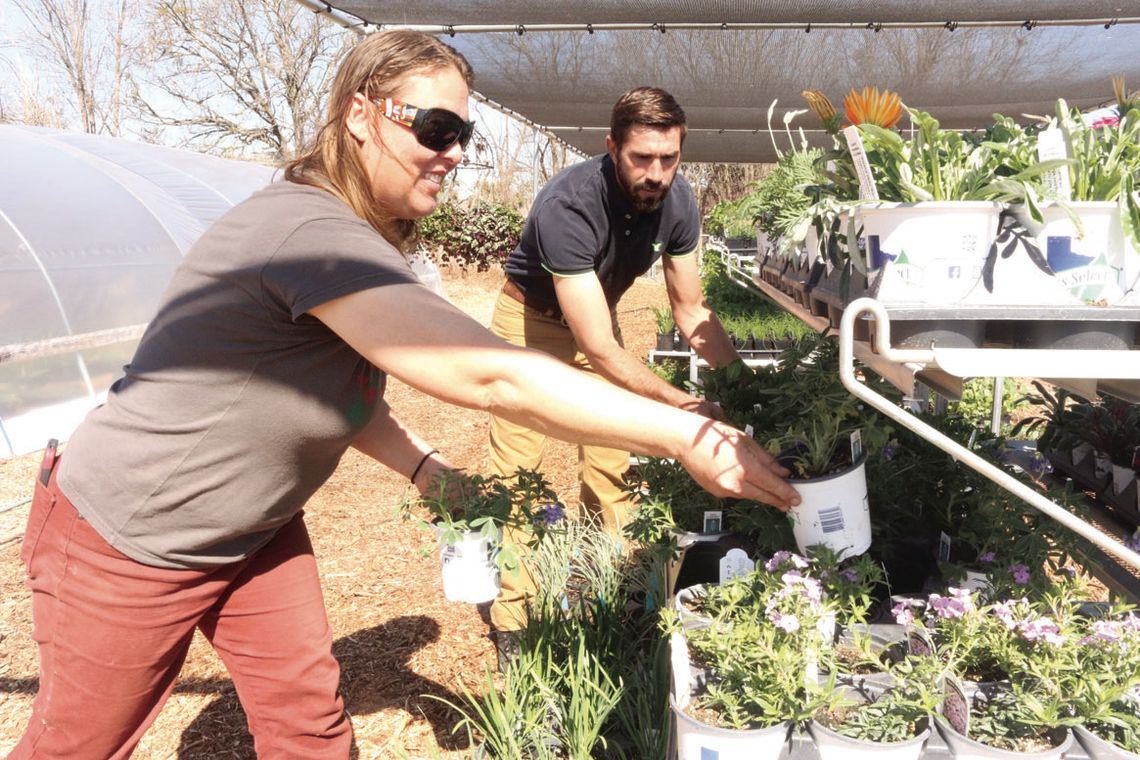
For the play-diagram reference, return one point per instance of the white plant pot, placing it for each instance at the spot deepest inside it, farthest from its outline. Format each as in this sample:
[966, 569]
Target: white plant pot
[833, 511]
[697, 741]
[1099, 749]
[964, 748]
[1087, 267]
[927, 253]
[976, 580]
[1122, 477]
[469, 570]
[682, 602]
[833, 745]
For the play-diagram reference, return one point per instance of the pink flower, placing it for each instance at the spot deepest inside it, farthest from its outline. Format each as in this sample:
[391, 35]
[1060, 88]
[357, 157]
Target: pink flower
[949, 607]
[903, 613]
[1044, 629]
[786, 623]
[1108, 630]
[986, 557]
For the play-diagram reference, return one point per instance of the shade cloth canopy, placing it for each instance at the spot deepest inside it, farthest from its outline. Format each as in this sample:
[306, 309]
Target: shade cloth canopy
[563, 65]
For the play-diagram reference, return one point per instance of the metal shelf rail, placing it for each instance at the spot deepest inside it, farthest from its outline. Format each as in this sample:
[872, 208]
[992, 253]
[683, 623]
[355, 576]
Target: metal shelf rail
[986, 362]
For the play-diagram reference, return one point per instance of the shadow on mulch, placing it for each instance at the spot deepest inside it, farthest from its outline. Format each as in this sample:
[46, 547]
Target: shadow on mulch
[374, 676]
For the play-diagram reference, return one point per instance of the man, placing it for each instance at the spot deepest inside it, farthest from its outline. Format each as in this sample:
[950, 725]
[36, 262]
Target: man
[592, 230]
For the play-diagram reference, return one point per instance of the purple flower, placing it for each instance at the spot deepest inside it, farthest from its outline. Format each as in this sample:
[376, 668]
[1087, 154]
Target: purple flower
[986, 557]
[850, 575]
[786, 623]
[1020, 574]
[549, 515]
[1133, 541]
[890, 450]
[1039, 465]
[782, 556]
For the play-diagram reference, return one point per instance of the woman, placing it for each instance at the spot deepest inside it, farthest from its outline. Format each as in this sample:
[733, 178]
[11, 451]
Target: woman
[178, 503]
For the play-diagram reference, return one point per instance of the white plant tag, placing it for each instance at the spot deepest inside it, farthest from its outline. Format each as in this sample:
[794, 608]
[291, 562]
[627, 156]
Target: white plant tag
[856, 445]
[867, 189]
[1051, 145]
[749, 431]
[943, 547]
[734, 564]
[712, 521]
[682, 679]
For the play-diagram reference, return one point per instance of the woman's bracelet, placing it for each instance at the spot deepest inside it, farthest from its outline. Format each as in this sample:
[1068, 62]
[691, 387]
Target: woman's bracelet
[416, 471]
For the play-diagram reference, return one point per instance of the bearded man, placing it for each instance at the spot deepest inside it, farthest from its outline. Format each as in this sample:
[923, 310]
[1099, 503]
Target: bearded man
[592, 230]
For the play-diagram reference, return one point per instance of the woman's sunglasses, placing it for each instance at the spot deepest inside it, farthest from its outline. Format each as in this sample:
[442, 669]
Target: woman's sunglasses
[435, 128]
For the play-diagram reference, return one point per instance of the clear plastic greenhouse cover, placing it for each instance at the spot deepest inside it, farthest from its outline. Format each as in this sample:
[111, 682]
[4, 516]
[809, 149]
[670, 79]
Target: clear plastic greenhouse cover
[91, 229]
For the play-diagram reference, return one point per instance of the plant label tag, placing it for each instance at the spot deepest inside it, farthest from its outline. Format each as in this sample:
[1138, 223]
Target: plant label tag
[1051, 145]
[918, 642]
[856, 446]
[682, 678]
[956, 707]
[734, 564]
[867, 189]
[750, 431]
[712, 521]
[943, 547]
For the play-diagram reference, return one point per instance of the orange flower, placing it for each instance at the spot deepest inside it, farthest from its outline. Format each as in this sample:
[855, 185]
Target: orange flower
[822, 108]
[872, 107]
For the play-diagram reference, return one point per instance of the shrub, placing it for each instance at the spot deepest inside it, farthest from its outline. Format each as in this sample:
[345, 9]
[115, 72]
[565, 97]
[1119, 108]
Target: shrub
[476, 237]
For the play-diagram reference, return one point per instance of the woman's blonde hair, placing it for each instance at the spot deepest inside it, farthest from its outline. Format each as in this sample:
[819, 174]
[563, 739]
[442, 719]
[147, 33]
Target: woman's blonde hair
[376, 66]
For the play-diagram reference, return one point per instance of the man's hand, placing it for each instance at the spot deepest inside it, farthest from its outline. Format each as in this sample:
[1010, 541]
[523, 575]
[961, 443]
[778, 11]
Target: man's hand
[709, 409]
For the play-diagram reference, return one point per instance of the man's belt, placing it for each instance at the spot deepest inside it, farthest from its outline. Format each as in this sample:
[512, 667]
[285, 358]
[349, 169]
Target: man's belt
[543, 307]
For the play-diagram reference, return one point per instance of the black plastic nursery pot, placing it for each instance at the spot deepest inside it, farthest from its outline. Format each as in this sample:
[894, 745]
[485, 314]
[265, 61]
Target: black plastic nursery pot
[665, 341]
[941, 333]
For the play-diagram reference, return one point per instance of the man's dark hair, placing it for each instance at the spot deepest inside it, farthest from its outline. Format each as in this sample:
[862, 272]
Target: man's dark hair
[646, 107]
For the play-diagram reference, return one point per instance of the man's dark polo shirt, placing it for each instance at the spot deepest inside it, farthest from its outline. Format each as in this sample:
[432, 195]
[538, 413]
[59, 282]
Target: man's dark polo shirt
[582, 222]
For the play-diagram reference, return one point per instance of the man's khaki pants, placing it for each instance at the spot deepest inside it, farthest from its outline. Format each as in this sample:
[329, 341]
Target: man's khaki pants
[513, 446]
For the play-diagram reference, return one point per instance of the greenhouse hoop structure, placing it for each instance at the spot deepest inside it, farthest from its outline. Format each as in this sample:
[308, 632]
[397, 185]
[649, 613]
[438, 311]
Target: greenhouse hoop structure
[91, 229]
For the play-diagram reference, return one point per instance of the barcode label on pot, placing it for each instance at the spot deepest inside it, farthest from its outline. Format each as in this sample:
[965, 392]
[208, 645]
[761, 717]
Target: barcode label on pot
[831, 520]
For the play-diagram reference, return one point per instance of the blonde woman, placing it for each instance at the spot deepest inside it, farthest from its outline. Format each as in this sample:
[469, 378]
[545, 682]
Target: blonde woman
[178, 504]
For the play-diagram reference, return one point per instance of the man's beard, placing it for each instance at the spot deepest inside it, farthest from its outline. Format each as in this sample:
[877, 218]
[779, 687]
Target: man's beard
[643, 205]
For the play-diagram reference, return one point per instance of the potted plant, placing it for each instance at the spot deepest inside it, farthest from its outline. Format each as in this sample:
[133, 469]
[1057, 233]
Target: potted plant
[758, 663]
[1107, 696]
[480, 522]
[866, 722]
[666, 328]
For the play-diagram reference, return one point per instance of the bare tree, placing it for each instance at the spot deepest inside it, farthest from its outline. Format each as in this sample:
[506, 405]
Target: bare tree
[88, 50]
[240, 77]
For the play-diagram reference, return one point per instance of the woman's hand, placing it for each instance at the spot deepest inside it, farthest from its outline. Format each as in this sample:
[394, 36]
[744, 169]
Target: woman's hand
[726, 462]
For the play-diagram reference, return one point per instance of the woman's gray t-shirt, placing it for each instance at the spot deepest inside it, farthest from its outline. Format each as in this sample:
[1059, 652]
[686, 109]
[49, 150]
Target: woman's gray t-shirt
[238, 404]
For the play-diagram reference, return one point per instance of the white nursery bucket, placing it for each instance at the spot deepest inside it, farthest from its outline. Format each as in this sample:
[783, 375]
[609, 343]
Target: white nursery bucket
[833, 511]
[469, 570]
[926, 253]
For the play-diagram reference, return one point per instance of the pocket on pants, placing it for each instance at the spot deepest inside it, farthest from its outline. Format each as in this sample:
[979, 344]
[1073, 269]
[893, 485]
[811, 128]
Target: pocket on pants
[43, 502]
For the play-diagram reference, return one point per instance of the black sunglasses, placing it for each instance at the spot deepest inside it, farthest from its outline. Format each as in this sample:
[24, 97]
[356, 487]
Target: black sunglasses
[435, 128]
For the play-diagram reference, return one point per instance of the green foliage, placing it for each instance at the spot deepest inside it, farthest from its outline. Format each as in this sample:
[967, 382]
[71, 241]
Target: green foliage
[472, 238]
[590, 678]
[740, 312]
[977, 399]
[663, 317]
[780, 196]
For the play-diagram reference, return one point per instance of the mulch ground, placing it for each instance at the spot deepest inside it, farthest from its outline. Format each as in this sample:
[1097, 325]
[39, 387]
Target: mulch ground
[401, 645]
